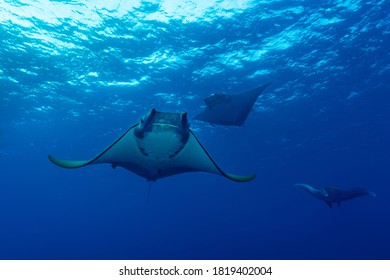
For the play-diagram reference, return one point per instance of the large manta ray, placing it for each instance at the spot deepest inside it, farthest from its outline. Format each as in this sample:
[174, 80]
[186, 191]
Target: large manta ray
[160, 145]
[335, 195]
[229, 109]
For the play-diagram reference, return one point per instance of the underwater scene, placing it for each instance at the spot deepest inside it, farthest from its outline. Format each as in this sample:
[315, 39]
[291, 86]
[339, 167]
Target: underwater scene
[209, 129]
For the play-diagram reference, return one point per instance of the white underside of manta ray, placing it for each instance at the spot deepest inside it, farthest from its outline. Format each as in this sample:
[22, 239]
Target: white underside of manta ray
[160, 145]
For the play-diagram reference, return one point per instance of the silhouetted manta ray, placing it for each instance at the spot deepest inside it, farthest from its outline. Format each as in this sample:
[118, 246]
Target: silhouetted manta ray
[335, 195]
[229, 109]
[160, 145]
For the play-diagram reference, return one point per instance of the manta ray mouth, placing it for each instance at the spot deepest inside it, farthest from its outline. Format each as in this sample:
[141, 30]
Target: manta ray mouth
[169, 130]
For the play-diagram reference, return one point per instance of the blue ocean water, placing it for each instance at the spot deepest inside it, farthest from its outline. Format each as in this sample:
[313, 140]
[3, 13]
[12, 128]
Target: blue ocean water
[74, 75]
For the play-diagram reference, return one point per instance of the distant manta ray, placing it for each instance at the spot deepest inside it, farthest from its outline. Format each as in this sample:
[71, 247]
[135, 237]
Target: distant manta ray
[160, 145]
[335, 195]
[229, 109]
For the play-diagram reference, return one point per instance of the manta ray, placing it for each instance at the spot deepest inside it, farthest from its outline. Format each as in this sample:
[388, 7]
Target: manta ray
[335, 195]
[160, 145]
[229, 109]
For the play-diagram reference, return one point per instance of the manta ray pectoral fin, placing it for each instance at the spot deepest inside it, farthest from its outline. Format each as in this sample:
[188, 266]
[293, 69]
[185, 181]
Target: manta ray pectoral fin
[309, 189]
[69, 163]
[195, 157]
[371, 194]
[100, 158]
[303, 186]
[239, 178]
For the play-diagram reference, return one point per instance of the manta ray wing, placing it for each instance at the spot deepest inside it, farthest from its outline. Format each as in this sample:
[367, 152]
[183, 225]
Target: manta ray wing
[229, 109]
[194, 157]
[113, 154]
[348, 194]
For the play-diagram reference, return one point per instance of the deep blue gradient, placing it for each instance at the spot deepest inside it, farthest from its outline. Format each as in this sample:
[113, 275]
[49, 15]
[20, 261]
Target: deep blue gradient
[74, 75]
